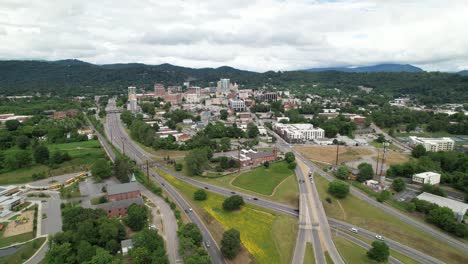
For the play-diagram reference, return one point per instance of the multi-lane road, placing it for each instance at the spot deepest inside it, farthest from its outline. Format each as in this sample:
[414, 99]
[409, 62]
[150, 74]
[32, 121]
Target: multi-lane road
[120, 140]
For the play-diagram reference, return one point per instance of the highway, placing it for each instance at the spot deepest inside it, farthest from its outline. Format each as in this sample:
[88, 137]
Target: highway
[412, 253]
[438, 235]
[120, 140]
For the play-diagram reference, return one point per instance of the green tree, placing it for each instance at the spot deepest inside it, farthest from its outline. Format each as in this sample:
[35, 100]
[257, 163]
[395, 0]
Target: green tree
[12, 125]
[225, 144]
[398, 184]
[22, 141]
[418, 151]
[127, 118]
[338, 189]
[137, 217]
[102, 257]
[85, 251]
[140, 255]
[292, 165]
[196, 161]
[289, 157]
[223, 114]
[191, 231]
[379, 251]
[101, 169]
[233, 203]
[230, 243]
[252, 130]
[41, 154]
[123, 168]
[199, 195]
[342, 172]
[61, 253]
[22, 159]
[365, 172]
[383, 196]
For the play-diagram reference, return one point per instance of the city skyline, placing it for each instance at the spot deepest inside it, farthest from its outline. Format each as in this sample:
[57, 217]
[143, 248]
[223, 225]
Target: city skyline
[252, 35]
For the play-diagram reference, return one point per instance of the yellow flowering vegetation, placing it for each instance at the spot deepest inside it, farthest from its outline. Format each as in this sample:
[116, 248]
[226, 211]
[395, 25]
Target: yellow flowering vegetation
[268, 236]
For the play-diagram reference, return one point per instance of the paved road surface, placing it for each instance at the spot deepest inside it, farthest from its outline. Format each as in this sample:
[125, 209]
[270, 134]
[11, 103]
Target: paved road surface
[120, 138]
[412, 253]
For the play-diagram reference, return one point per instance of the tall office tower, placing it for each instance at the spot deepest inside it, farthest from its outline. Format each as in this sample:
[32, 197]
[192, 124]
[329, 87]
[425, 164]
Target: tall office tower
[132, 105]
[223, 86]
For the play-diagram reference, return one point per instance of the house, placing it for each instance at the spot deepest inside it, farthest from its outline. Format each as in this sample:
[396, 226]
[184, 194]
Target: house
[126, 245]
[123, 191]
[353, 174]
[88, 132]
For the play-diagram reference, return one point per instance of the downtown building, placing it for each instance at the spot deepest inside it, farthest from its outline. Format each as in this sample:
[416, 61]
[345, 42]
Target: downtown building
[298, 133]
[433, 144]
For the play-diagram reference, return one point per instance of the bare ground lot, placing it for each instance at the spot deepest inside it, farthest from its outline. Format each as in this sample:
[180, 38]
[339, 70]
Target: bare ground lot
[327, 154]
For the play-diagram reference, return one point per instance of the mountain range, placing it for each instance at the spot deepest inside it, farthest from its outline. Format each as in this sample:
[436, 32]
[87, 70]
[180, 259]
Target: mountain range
[374, 68]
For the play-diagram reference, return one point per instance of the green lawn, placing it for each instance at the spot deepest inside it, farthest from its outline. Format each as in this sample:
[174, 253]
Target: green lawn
[83, 154]
[26, 251]
[286, 192]
[71, 191]
[351, 252]
[269, 236]
[263, 180]
[6, 241]
[362, 214]
[309, 257]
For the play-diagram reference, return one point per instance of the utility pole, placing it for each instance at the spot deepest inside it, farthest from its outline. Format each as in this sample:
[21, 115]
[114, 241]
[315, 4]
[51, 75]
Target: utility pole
[147, 173]
[383, 157]
[337, 150]
[377, 166]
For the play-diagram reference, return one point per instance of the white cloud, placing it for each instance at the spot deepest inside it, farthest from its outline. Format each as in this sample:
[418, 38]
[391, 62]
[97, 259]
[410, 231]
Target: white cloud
[256, 35]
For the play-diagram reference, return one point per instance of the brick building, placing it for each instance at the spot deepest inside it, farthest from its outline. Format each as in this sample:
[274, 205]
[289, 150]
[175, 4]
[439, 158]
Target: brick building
[123, 191]
[254, 158]
[119, 208]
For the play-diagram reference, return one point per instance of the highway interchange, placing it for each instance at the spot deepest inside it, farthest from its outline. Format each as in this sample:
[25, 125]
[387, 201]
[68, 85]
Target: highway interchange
[310, 230]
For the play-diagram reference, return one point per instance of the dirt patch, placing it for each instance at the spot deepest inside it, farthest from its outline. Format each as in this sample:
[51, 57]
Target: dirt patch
[22, 224]
[327, 154]
[396, 158]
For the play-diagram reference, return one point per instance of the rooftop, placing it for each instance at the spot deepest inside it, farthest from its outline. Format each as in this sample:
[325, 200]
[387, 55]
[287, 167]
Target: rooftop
[120, 203]
[127, 243]
[122, 188]
[456, 206]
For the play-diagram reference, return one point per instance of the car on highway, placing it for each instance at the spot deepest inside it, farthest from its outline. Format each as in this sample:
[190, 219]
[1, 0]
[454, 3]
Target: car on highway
[255, 198]
[207, 244]
[379, 237]
[206, 188]
[233, 192]
[353, 229]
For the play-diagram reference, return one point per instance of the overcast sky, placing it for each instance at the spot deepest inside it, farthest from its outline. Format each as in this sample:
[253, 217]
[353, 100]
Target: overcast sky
[248, 34]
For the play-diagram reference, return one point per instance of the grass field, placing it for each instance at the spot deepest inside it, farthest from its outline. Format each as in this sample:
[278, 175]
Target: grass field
[327, 154]
[309, 257]
[268, 236]
[24, 253]
[351, 252]
[263, 180]
[6, 241]
[286, 192]
[380, 145]
[83, 154]
[359, 213]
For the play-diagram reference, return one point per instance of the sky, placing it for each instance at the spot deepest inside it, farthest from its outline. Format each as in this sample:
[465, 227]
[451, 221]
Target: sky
[257, 35]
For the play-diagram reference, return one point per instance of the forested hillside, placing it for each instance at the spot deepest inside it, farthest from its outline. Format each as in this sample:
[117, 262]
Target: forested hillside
[73, 77]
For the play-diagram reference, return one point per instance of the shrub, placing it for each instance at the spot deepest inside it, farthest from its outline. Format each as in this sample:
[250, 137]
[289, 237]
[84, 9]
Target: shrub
[233, 203]
[178, 166]
[328, 199]
[338, 189]
[383, 196]
[199, 195]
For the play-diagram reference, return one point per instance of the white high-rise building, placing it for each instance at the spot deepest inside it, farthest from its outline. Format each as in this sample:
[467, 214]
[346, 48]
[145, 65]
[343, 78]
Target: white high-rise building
[223, 85]
[132, 105]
